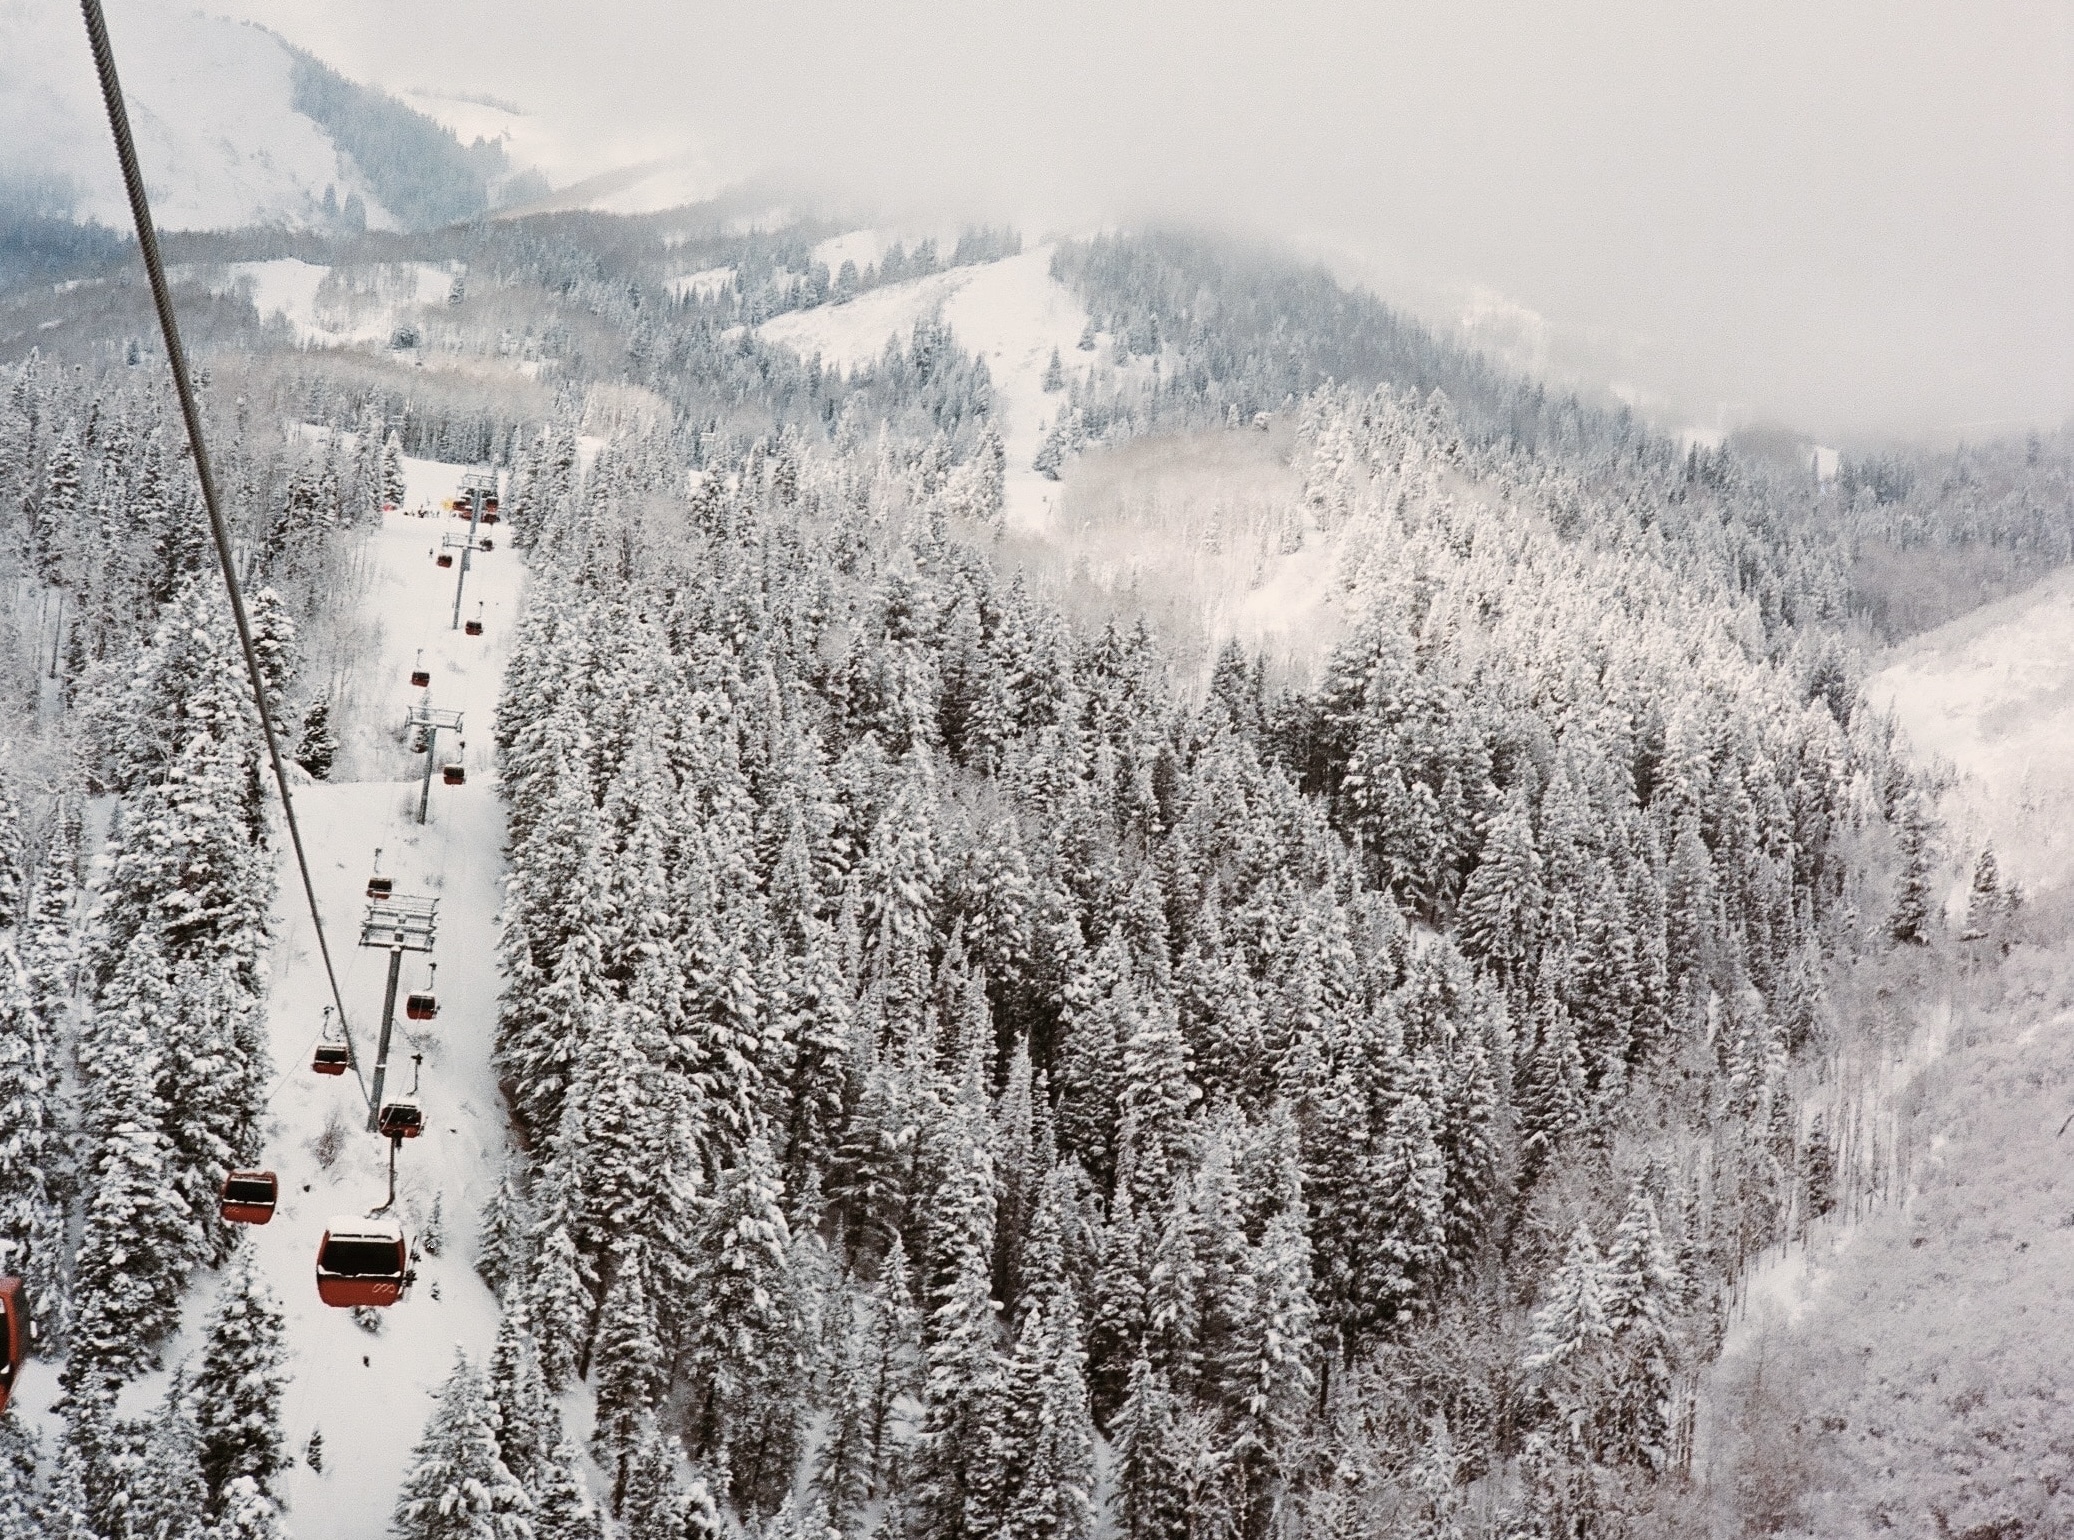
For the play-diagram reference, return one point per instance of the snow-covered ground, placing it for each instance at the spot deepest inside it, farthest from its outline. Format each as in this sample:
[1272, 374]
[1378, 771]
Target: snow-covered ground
[1011, 312]
[703, 284]
[1993, 693]
[367, 309]
[370, 1394]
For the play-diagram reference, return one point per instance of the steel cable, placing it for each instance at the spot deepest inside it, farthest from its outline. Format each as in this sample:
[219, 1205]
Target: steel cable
[176, 357]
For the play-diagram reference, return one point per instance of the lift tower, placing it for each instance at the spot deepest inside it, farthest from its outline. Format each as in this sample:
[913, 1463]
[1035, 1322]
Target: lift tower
[431, 721]
[477, 484]
[397, 924]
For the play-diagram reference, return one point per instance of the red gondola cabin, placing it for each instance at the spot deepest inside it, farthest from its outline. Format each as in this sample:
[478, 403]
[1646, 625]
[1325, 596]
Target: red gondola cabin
[248, 1197]
[379, 887]
[14, 1335]
[446, 558]
[362, 1262]
[420, 1005]
[331, 1059]
[454, 775]
[472, 627]
[420, 678]
[402, 1119]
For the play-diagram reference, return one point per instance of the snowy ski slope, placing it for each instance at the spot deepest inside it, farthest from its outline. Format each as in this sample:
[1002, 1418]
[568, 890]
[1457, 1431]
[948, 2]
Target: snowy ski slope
[1012, 312]
[370, 1394]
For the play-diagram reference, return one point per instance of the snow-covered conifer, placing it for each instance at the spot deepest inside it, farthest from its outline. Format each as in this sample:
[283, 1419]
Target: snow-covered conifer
[457, 1486]
[238, 1387]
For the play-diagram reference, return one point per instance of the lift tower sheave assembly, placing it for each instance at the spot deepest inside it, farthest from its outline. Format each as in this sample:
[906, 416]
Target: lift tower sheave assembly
[431, 721]
[477, 484]
[398, 924]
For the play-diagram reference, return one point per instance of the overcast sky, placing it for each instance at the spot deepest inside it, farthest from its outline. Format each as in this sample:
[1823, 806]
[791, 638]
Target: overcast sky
[1856, 216]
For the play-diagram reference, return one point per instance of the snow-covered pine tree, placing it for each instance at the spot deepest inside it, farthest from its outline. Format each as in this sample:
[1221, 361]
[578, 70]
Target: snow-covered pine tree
[48, 948]
[169, 1499]
[1044, 1467]
[842, 1466]
[1500, 910]
[1269, 1372]
[139, 1236]
[392, 483]
[237, 1389]
[656, 1506]
[317, 748]
[1565, 1360]
[1641, 1293]
[14, 886]
[457, 1486]
[1154, 1102]
[562, 1506]
[892, 1360]
[504, 1244]
[58, 507]
[19, 1519]
[248, 1514]
[748, 1346]
[213, 1081]
[1914, 905]
[1151, 1478]
[31, 1223]
[527, 1423]
[954, 1487]
[627, 1364]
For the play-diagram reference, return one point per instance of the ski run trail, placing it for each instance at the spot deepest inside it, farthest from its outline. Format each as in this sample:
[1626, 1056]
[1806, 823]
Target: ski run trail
[1011, 312]
[370, 1392]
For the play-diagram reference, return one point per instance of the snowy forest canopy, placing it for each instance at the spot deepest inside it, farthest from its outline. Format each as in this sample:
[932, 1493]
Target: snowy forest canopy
[973, 1071]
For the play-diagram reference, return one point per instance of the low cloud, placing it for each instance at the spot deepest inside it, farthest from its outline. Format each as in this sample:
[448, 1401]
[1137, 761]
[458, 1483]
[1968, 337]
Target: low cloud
[1857, 216]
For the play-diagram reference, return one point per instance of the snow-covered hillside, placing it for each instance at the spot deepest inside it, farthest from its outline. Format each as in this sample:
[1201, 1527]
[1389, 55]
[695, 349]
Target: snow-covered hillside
[1011, 312]
[363, 305]
[1960, 1280]
[1993, 693]
[1134, 517]
[211, 105]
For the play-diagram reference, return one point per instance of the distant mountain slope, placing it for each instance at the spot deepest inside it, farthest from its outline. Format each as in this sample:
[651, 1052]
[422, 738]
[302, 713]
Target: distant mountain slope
[234, 127]
[424, 174]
